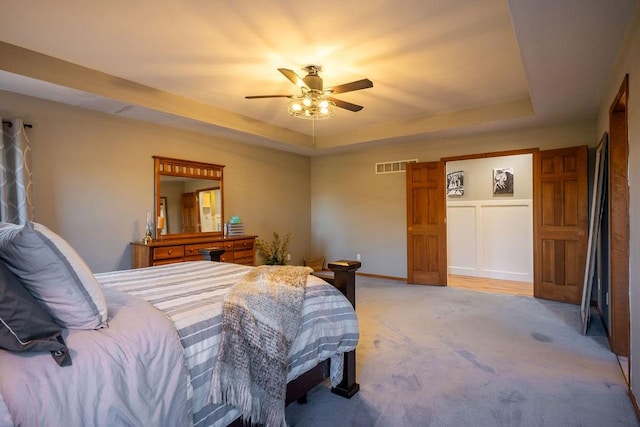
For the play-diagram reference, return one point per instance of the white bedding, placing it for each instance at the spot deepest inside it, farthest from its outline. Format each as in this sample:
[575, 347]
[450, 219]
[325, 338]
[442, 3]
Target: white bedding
[152, 366]
[129, 374]
[5, 417]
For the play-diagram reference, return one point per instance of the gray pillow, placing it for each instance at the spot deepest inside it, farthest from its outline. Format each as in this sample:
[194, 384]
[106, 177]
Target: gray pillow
[53, 272]
[24, 324]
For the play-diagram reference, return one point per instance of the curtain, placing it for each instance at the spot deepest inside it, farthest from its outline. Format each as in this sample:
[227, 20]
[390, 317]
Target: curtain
[15, 174]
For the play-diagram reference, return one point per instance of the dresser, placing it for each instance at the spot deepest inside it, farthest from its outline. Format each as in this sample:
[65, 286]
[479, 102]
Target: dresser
[237, 249]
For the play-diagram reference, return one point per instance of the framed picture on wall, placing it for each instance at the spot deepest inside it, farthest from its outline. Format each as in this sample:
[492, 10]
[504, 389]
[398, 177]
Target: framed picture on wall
[455, 183]
[503, 181]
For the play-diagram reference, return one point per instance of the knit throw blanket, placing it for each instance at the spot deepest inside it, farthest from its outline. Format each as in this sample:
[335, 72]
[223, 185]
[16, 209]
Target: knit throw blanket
[260, 319]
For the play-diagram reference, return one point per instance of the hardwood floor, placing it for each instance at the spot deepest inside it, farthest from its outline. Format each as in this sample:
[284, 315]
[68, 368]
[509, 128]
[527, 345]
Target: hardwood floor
[484, 284]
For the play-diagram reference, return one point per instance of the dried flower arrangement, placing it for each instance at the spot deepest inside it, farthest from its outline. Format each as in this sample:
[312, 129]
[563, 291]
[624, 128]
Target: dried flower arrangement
[274, 253]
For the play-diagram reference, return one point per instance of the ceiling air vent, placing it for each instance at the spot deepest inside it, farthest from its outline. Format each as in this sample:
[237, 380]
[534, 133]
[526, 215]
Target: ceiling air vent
[393, 167]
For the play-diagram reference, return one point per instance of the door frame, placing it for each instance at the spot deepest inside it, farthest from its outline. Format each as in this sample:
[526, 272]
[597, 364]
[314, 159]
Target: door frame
[535, 152]
[618, 251]
[531, 151]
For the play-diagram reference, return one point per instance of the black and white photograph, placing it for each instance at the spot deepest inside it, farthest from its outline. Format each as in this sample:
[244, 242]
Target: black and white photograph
[455, 183]
[503, 181]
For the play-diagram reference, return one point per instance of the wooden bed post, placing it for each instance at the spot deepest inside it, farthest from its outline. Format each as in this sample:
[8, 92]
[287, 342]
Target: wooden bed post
[345, 280]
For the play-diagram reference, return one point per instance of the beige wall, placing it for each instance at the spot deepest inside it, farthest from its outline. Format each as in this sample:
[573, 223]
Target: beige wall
[629, 63]
[353, 210]
[93, 178]
[478, 176]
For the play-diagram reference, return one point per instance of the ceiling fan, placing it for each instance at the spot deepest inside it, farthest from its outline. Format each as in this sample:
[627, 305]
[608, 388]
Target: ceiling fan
[315, 101]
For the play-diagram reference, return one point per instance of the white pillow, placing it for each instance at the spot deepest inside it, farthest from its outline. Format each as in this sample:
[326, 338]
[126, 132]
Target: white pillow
[54, 273]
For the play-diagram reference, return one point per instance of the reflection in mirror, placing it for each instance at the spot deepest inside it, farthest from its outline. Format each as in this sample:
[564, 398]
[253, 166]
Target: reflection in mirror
[190, 205]
[189, 198]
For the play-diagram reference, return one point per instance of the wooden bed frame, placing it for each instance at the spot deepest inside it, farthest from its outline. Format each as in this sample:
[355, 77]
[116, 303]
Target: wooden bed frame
[344, 279]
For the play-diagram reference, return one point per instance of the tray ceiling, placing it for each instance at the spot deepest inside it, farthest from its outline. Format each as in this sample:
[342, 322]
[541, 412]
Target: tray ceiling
[439, 67]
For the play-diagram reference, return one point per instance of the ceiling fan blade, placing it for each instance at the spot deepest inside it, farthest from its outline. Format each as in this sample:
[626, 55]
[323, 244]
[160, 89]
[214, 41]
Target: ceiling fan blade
[348, 87]
[346, 105]
[293, 77]
[268, 96]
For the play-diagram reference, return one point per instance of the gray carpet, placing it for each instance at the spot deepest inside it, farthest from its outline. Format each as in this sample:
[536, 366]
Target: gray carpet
[431, 356]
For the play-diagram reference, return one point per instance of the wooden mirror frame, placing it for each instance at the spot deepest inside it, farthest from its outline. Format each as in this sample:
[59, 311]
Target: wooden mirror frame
[165, 166]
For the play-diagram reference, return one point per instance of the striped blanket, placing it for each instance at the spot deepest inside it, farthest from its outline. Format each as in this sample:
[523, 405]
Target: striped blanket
[191, 295]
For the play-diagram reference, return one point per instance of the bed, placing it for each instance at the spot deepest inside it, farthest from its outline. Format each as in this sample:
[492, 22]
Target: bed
[149, 361]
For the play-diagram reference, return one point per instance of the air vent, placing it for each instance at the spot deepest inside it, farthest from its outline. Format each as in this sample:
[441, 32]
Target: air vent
[393, 167]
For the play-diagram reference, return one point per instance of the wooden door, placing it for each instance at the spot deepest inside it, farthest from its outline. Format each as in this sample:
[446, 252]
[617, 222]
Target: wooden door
[560, 229]
[426, 224]
[190, 213]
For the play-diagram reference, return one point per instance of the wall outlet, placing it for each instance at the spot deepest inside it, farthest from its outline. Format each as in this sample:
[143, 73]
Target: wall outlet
[358, 258]
[288, 257]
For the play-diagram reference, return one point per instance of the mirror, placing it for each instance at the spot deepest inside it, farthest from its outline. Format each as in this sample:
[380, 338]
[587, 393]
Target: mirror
[189, 198]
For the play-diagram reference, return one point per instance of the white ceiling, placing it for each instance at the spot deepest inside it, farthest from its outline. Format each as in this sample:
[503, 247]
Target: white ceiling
[439, 67]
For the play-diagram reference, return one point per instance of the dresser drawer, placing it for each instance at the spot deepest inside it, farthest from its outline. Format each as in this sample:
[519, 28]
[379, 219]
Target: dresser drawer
[244, 257]
[166, 252]
[227, 257]
[240, 245]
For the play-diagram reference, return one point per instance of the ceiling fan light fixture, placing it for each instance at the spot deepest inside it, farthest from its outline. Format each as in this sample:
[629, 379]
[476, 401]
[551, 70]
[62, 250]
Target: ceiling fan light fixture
[311, 106]
[314, 101]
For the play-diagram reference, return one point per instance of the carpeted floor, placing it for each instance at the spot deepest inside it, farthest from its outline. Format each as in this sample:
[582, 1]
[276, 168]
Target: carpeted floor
[434, 356]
